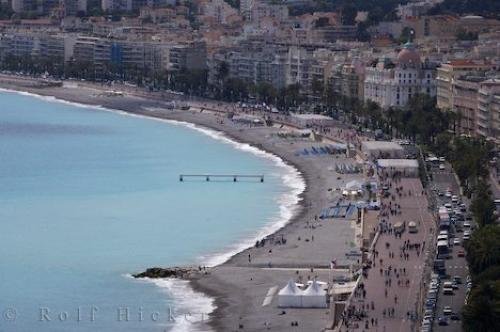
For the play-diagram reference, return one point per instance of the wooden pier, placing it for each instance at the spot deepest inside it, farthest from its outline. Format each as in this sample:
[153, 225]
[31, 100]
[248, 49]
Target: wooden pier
[234, 177]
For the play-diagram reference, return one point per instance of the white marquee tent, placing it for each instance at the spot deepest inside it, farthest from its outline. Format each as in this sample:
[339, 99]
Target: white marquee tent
[290, 296]
[314, 296]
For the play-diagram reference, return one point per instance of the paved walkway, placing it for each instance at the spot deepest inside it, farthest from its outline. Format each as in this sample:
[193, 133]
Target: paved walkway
[387, 296]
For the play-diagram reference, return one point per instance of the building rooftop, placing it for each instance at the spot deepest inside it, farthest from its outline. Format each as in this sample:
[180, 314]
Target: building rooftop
[398, 163]
[309, 116]
[409, 55]
[381, 145]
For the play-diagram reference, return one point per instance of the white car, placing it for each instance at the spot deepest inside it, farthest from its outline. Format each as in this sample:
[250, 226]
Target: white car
[447, 311]
[448, 194]
[457, 242]
[441, 167]
[442, 238]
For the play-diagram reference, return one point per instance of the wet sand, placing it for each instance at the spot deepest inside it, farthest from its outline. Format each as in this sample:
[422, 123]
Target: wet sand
[240, 285]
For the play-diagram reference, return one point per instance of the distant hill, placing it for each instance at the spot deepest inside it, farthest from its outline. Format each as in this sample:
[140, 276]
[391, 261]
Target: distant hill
[486, 8]
[378, 9]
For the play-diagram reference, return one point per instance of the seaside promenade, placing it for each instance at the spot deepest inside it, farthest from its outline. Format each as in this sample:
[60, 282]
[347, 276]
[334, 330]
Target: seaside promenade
[388, 296]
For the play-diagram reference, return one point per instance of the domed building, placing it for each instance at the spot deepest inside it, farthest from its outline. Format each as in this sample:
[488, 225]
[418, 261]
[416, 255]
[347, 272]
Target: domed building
[392, 82]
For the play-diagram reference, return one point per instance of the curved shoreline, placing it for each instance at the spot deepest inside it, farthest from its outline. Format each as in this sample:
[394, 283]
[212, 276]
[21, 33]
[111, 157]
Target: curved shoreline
[220, 135]
[297, 209]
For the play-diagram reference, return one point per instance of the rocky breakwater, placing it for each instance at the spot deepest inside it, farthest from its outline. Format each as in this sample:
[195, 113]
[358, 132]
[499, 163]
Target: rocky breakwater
[173, 272]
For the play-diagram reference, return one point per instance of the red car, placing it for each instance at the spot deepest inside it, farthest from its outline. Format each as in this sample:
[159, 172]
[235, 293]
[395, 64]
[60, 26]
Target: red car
[461, 253]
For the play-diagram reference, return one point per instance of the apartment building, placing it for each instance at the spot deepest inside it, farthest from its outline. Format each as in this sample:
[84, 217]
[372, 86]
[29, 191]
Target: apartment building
[348, 80]
[464, 103]
[25, 45]
[145, 57]
[191, 56]
[44, 7]
[256, 60]
[488, 115]
[117, 5]
[93, 51]
[448, 72]
[73, 7]
[246, 7]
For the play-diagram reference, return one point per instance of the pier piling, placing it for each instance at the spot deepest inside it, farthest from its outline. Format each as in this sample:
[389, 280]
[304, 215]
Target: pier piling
[234, 177]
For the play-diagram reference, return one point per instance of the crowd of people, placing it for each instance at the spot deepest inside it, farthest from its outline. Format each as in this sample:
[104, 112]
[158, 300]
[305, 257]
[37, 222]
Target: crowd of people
[393, 258]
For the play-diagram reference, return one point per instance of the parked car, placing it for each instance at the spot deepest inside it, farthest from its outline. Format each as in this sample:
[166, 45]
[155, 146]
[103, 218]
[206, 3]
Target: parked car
[461, 253]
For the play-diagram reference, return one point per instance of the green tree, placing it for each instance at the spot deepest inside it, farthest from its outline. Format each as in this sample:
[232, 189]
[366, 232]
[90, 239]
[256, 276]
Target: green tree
[349, 13]
[483, 248]
[265, 92]
[482, 312]
[406, 35]
[483, 206]
[462, 34]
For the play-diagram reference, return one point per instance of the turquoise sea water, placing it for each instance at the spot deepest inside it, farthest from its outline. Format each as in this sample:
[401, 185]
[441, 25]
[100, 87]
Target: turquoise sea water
[88, 196]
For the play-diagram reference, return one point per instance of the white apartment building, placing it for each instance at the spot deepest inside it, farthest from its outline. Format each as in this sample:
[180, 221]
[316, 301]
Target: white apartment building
[488, 115]
[246, 7]
[26, 45]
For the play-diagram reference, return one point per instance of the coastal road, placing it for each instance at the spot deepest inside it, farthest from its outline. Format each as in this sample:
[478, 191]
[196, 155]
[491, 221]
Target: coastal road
[444, 180]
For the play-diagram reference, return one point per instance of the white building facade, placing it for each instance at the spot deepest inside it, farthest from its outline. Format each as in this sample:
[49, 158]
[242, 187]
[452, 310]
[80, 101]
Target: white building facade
[394, 83]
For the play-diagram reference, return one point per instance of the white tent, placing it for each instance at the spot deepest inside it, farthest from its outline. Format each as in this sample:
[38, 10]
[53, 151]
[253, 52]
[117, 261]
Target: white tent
[314, 296]
[290, 296]
[354, 185]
